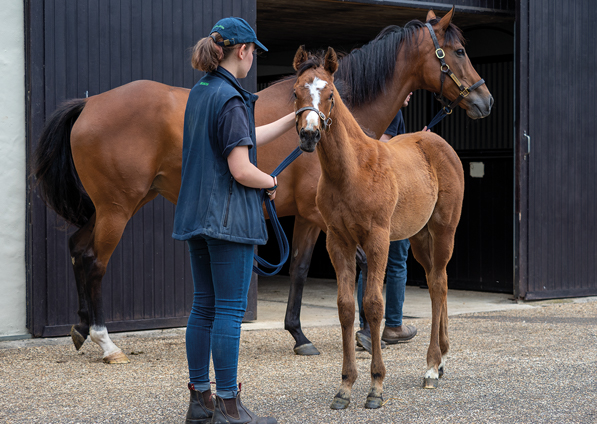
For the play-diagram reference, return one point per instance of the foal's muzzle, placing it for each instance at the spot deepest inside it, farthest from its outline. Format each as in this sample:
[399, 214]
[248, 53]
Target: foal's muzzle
[309, 139]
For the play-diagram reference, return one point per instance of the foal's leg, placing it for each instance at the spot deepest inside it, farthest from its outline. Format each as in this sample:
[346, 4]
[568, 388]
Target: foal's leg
[303, 242]
[376, 248]
[432, 254]
[342, 254]
[78, 243]
[110, 224]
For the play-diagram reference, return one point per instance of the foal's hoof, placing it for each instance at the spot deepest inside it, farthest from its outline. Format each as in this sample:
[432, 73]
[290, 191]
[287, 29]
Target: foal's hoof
[77, 337]
[431, 383]
[306, 350]
[340, 402]
[117, 358]
[374, 402]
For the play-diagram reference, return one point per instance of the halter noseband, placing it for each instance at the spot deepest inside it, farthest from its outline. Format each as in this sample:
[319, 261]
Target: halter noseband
[445, 68]
[327, 122]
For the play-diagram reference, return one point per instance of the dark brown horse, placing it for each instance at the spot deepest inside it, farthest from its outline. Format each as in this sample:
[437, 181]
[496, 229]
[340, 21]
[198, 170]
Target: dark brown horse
[370, 193]
[126, 148]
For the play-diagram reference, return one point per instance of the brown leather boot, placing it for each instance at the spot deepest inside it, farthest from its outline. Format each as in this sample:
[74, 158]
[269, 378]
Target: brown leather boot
[201, 407]
[400, 334]
[232, 411]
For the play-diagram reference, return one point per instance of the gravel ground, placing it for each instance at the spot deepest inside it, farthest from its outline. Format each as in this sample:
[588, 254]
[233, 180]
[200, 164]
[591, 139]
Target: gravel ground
[525, 366]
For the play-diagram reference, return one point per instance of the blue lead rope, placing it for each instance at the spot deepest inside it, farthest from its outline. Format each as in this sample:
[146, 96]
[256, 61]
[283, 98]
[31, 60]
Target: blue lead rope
[437, 118]
[273, 216]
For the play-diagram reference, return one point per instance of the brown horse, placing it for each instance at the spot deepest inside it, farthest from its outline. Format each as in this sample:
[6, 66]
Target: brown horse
[370, 193]
[126, 148]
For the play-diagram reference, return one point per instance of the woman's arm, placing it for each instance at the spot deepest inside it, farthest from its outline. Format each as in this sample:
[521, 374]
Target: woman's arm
[269, 132]
[246, 173]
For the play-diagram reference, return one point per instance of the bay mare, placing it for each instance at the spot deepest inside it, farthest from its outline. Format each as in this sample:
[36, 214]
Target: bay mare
[101, 159]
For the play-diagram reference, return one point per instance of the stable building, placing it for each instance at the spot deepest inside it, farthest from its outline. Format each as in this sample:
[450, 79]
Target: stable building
[527, 228]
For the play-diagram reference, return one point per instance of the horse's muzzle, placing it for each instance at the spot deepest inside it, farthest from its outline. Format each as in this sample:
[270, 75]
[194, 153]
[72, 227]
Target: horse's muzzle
[309, 139]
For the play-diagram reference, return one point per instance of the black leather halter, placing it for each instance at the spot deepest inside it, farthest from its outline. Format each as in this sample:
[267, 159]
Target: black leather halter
[445, 68]
[327, 122]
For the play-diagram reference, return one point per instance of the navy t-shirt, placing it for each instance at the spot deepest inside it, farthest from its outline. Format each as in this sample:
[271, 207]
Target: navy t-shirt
[396, 126]
[233, 126]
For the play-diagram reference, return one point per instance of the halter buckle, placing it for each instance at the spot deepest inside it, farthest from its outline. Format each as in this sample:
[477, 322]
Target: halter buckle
[465, 92]
[439, 52]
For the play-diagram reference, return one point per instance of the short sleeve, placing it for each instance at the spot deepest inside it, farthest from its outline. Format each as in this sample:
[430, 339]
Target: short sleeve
[396, 126]
[233, 126]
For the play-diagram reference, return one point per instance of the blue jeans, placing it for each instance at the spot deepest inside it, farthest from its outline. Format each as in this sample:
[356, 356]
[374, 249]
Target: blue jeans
[221, 277]
[395, 284]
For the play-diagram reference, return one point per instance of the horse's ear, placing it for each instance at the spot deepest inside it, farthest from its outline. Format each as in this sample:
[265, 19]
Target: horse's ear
[444, 22]
[300, 57]
[331, 61]
[430, 15]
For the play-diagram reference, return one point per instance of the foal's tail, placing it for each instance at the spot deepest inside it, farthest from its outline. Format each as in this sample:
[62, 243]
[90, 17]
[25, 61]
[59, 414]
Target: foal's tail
[54, 169]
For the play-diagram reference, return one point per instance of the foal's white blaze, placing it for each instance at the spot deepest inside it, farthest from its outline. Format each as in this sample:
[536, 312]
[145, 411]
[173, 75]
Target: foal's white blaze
[100, 336]
[315, 89]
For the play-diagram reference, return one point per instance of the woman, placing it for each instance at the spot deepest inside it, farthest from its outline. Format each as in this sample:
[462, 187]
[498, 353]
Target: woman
[219, 214]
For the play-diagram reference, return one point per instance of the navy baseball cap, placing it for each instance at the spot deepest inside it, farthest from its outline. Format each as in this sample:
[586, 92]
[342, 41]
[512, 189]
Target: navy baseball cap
[235, 31]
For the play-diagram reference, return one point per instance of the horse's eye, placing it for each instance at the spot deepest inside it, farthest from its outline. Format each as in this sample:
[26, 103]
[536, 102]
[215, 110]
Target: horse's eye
[331, 95]
[460, 52]
[294, 94]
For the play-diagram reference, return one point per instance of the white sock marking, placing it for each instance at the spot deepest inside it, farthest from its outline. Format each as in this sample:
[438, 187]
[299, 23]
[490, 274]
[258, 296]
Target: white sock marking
[100, 336]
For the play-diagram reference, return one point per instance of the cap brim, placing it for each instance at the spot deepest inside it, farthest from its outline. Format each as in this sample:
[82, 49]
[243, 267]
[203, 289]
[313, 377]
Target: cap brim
[261, 46]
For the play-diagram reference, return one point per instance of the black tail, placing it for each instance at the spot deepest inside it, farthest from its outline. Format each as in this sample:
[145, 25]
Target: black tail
[54, 169]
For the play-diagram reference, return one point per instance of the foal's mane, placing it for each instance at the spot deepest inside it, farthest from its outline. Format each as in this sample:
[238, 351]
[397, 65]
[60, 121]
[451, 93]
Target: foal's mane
[363, 73]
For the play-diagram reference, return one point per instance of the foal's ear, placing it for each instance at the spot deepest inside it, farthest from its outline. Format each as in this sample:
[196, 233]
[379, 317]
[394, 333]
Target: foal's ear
[430, 15]
[331, 61]
[300, 57]
[444, 22]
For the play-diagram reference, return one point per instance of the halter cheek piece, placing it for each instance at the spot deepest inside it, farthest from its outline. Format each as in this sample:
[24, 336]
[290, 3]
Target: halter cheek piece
[327, 122]
[445, 68]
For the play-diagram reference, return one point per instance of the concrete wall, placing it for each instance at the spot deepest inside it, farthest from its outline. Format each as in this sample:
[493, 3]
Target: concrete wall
[12, 170]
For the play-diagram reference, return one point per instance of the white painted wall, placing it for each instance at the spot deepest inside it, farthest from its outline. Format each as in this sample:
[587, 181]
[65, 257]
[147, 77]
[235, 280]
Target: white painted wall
[12, 170]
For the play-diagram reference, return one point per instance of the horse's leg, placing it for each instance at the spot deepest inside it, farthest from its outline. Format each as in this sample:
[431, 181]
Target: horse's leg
[77, 243]
[109, 226]
[303, 241]
[376, 248]
[433, 253]
[342, 254]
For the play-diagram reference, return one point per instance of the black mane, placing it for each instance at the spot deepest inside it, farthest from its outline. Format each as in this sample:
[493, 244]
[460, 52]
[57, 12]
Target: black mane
[363, 73]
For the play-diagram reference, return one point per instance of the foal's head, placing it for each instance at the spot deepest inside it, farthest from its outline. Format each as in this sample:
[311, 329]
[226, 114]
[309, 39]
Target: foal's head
[314, 95]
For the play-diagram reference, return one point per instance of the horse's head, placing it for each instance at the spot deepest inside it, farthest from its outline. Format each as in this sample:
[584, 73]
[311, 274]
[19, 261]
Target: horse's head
[314, 95]
[447, 70]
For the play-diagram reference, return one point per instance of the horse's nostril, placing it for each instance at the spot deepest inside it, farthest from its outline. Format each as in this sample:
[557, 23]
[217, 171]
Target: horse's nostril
[491, 102]
[317, 134]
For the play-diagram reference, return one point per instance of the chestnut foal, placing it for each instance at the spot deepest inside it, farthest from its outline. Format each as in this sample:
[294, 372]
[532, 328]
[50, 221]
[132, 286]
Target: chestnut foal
[370, 193]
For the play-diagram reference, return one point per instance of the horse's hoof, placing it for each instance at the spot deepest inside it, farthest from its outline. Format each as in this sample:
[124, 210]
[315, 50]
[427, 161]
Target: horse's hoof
[117, 358]
[374, 402]
[440, 371]
[77, 337]
[306, 350]
[431, 383]
[339, 402]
